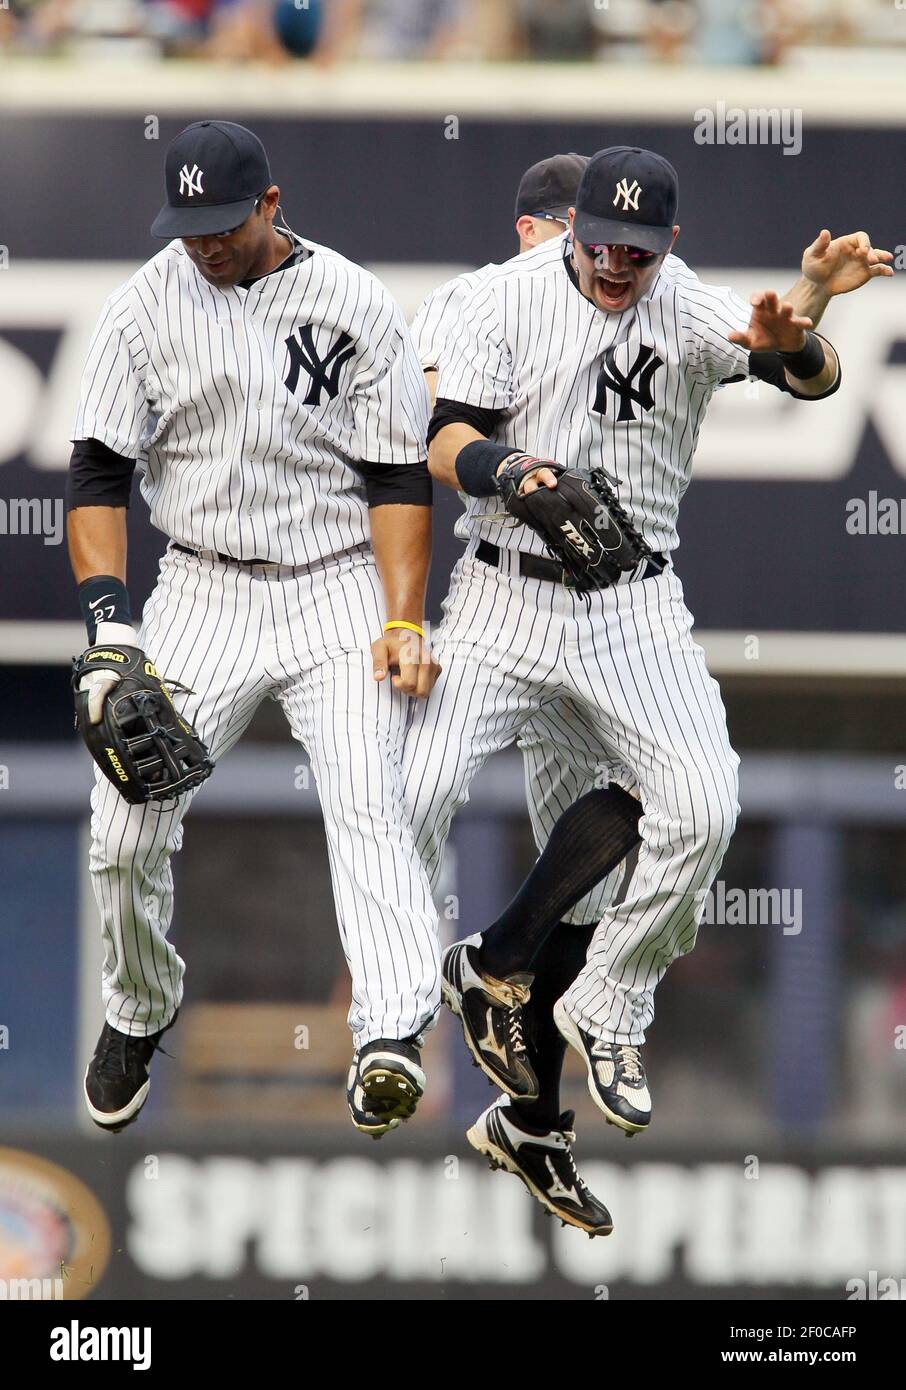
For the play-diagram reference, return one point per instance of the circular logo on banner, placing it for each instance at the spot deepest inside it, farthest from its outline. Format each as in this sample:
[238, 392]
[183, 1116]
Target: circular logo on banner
[54, 1234]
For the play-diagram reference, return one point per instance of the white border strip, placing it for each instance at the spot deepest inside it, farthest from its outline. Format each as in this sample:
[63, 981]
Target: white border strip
[559, 91]
[878, 654]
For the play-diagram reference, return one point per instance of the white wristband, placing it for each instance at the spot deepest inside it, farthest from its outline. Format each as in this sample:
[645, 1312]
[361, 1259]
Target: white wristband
[115, 635]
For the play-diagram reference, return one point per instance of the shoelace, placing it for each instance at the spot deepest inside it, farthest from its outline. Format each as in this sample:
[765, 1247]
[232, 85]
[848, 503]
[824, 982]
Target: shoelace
[625, 1059]
[514, 1029]
[632, 1063]
[575, 1180]
[112, 1061]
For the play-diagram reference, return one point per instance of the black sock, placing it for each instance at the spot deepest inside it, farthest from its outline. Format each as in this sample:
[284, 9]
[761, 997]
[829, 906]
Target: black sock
[557, 964]
[587, 843]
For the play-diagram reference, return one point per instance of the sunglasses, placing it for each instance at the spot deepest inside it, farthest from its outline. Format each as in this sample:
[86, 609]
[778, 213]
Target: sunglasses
[635, 254]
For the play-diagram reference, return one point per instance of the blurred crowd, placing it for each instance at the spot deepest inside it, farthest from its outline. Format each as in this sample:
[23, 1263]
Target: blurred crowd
[707, 31]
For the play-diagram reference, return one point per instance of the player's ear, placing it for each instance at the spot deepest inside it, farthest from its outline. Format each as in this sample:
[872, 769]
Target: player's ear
[269, 200]
[572, 218]
[525, 230]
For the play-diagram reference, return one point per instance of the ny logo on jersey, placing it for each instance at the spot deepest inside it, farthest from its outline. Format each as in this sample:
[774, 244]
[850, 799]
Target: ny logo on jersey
[630, 391]
[324, 371]
[190, 180]
[629, 192]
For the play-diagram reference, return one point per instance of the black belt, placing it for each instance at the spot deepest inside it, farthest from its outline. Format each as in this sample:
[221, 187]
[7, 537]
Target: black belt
[536, 567]
[232, 560]
[225, 559]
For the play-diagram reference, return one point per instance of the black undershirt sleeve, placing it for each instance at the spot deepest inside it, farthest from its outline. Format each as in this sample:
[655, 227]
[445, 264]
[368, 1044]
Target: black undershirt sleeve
[407, 483]
[448, 412]
[98, 477]
[768, 366]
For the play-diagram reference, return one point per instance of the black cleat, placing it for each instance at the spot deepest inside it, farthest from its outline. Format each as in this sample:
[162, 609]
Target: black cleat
[544, 1161]
[117, 1079]
[490, 1012]
[385, 1084]
[616, 1077]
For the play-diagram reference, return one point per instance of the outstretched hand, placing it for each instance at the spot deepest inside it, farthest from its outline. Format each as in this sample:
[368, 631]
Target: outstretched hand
[773, 327]
[844, 263]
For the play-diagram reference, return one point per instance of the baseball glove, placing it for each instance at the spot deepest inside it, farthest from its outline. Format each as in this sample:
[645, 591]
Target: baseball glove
[140, 743]
[580, 521]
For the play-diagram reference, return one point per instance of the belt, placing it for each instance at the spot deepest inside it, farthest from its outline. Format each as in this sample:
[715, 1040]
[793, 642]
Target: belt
[225, 559]
[232, 560]
[536, 567]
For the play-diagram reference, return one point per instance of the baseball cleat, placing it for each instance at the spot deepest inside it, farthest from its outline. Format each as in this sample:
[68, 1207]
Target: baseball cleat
[616, 1077]
[543, 1160]
[490, 1012]
[385, 1084]
[117, 1079]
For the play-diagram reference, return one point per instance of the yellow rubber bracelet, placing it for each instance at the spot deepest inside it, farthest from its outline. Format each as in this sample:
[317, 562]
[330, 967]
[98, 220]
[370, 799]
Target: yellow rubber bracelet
[410, 627]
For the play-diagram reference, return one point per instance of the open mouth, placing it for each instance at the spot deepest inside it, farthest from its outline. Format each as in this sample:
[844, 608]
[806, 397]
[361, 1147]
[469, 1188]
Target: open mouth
[614, 292]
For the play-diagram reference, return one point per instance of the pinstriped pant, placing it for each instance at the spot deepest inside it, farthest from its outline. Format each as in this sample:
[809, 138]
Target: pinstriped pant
[236, 636]
[622, 683]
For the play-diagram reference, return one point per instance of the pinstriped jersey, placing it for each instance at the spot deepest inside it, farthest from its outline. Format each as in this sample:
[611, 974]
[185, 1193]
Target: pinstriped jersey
[247, 408]
[439, 312]
[622, 392]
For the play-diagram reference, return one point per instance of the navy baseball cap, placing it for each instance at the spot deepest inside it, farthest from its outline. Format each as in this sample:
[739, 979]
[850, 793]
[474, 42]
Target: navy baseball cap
[550, 186]
[627, 197]
[215, 171]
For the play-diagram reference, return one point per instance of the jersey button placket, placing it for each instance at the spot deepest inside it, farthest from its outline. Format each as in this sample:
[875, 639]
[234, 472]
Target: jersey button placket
[253, 397]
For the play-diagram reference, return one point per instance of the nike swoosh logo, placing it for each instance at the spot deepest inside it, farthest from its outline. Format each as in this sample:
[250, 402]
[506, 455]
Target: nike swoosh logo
[93, 603]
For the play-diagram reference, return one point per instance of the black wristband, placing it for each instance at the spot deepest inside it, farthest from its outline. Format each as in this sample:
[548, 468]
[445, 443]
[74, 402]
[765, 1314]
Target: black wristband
[103, 599]
[477, 463]
[808, 361]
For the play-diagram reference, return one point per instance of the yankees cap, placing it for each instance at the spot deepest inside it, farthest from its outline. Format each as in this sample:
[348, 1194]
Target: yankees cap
[550, 186]
[215, 170]
[627, 197]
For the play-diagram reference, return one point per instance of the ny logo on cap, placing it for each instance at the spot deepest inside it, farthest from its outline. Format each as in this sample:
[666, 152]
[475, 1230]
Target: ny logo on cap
[629, 192]
[190, 180]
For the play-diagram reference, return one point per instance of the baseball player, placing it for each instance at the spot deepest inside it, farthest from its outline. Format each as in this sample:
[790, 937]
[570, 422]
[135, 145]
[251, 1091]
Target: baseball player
[593, 357]
[269, 391]
[557, 773]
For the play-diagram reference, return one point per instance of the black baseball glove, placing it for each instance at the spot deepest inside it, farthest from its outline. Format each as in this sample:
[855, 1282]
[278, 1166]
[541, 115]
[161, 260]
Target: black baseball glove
[580, 521]
[137, 738]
